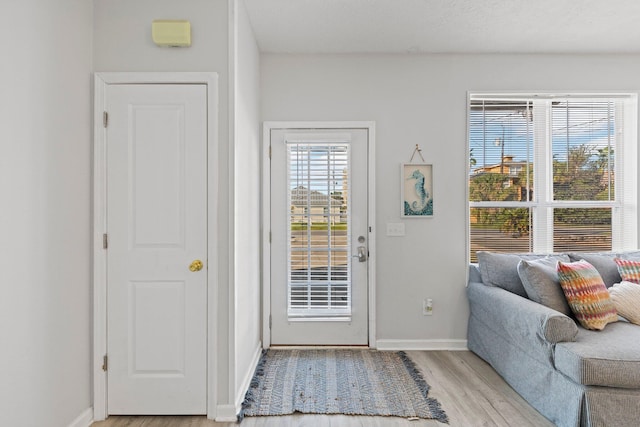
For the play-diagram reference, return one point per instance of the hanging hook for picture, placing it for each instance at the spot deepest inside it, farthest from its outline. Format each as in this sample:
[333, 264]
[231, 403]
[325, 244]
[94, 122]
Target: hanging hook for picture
[417, 150]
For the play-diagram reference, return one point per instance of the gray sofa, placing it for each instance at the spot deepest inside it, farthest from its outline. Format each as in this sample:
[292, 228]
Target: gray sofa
[573, 376]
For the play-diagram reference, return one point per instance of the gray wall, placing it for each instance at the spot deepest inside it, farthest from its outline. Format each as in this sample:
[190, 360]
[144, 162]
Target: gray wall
[421, 99]
[122, 42]
[45, 218]
[247, 214]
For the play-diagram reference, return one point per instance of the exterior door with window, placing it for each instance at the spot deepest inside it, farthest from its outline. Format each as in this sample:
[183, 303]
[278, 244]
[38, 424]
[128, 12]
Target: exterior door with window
[319, 237]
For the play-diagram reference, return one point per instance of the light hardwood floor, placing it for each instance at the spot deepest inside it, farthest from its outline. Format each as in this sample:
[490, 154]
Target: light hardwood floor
[469, 390]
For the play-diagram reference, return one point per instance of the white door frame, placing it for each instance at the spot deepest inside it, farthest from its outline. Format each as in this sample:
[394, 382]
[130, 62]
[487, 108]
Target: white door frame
[370, 126]
[101, 82]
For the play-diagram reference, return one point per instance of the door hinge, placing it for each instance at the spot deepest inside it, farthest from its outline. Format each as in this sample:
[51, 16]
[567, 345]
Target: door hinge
[105, 360]
[269, 237]
[105, 241]
[270, 321]
[105, 118]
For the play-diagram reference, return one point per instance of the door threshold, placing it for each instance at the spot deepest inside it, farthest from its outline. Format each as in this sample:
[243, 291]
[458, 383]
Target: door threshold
[319, 347]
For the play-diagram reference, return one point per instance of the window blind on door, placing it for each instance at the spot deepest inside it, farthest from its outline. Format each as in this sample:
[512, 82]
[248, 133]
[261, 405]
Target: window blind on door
[319, 272]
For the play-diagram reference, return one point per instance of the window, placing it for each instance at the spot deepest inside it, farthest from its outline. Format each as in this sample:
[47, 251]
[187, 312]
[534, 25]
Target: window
[319, 271]
[552, 173]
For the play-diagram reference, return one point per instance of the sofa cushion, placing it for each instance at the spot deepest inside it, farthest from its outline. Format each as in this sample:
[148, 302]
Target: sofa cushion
[586, 294]
[501, 270]
[603, 262]
[540, 280]
[629, 270]
[626, 299]
[609, 358]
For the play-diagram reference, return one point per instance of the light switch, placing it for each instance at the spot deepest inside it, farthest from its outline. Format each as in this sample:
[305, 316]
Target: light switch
[395, 229]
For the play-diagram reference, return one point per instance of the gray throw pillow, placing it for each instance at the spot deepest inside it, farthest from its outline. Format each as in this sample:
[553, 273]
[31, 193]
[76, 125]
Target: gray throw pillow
[630, 255]
[501, 270]
[540, 280]
[603, 262]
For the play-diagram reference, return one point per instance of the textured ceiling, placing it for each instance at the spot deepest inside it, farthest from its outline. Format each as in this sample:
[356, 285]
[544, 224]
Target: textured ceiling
[446, 26]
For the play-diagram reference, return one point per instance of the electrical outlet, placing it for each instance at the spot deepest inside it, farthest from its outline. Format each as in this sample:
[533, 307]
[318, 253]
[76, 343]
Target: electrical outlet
[427, 307]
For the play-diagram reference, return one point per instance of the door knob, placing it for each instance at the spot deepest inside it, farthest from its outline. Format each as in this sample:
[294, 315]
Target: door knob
[362, 254]
[196, 265]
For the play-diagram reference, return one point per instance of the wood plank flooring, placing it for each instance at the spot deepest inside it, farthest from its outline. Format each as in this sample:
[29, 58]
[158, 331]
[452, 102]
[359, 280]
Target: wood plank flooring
[469, 390]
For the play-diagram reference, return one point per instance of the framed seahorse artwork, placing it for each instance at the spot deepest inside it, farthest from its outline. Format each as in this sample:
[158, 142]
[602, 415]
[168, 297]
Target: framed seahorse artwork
[417, 190]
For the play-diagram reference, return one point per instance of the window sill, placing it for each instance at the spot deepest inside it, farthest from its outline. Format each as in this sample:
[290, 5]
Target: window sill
[319, 319]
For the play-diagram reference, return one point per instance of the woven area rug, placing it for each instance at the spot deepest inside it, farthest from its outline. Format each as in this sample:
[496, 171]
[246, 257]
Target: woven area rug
[339, 381]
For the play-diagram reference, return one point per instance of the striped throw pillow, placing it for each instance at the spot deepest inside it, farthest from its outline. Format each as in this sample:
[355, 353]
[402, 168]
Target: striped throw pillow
[629, 270]
[586, 294]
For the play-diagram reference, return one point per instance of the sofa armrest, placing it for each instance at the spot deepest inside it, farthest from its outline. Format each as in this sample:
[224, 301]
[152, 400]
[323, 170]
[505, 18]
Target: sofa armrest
[518, 319]
[474, 273]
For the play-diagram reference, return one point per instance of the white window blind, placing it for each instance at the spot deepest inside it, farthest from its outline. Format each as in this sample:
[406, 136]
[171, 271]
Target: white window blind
[501, 175]
[546, 173]
[319, 271]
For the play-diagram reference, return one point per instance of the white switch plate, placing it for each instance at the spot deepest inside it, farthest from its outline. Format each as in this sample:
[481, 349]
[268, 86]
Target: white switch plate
[395, 229]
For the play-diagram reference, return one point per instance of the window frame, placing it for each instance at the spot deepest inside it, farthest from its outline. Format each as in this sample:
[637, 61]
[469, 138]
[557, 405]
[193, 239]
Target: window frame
[624, 204]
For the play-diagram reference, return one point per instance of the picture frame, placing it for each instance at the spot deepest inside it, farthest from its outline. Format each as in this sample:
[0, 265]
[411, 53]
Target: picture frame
[417, 190]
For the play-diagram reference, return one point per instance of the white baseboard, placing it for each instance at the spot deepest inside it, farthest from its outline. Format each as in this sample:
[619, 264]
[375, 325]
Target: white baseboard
[397, 345]
[229, 413]
[85, 419]
[226, 414]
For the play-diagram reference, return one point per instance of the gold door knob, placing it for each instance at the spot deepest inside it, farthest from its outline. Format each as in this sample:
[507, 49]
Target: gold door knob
[196, 265]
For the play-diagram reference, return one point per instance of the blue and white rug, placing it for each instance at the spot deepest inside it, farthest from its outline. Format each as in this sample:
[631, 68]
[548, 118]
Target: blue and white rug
[339, 381]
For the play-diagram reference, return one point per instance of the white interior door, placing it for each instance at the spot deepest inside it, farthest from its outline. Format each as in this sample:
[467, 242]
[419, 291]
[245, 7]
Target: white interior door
[157, 229]
[319, 237]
